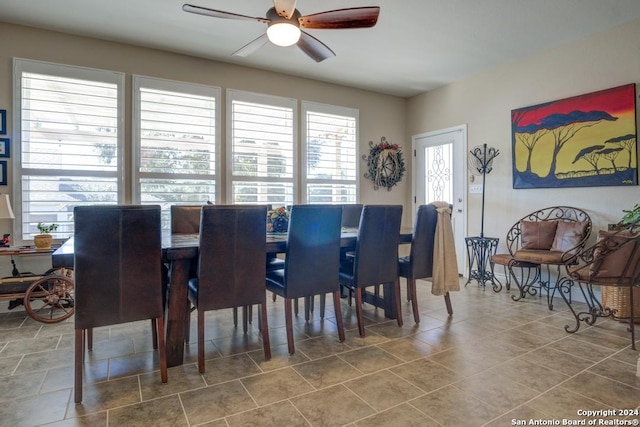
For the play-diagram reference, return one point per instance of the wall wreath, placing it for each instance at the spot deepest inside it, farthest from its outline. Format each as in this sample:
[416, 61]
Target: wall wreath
[385, 164]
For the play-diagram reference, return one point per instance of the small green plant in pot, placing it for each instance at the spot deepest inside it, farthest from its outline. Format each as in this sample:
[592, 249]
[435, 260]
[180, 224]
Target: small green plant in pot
[44, 239]
[631, 216]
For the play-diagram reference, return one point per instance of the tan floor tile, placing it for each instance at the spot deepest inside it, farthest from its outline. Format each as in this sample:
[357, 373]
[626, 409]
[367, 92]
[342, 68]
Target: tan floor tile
[17, 386]
[278, 414]
[586, 350]
[166, 412]
[497, 390]
[403, 415]
[229, 368]
[181, 378]
[558, 360]
[333, 406]
[383, 390]
[561, 403]
[277, 385]
[217, 401]
[604, 390]
[98, 419]
[618, 371]
[451, 406]
[35, 345]
[522, 415]
[280, 358]
[316, 348]
[35, 410]
[525, 371]
[370, 359]
[106, 395]
[426, 374]
[133, 364]
[408, 348]
[326, 372]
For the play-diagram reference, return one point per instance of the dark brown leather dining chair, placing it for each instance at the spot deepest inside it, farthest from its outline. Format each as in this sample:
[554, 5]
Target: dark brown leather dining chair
[311, 263]
[419, 263]
[375, 260]
[185, 219]
[117, 274]
[231, 267]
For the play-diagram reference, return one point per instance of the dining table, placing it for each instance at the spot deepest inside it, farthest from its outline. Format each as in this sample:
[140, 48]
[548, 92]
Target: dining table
[180, 251]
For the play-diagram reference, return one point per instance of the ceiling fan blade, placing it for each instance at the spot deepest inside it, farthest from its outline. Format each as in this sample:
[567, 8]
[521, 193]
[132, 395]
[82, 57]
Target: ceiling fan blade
[252, 46]
[219, 13]
[285, 8]
[313, 47]
[355, 17]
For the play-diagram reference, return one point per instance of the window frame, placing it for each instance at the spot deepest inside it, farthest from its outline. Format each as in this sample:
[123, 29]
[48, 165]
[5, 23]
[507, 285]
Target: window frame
[20, 66]
[139, 81]
[309, 106]
[257, 98]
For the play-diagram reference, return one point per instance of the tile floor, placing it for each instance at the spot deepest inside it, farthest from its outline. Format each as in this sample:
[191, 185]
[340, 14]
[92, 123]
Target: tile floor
[496, 362]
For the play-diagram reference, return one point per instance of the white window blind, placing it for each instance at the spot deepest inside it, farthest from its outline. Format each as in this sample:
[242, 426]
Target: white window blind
[70, 145]
[331, 158]
[176, 140]
[261, 149]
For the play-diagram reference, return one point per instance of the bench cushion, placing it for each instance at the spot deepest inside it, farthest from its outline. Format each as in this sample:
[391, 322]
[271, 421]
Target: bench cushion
[538, 234]
[539, 256]
[568, 235]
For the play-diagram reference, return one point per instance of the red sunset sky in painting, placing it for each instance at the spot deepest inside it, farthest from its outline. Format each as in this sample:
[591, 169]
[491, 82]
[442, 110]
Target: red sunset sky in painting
[609, 100]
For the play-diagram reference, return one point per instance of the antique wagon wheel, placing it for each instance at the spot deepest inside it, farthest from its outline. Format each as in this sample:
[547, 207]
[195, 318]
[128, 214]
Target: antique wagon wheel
[50, 298]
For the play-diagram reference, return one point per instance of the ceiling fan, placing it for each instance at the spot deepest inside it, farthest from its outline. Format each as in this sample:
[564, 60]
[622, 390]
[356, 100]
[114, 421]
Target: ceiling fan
[285, 22]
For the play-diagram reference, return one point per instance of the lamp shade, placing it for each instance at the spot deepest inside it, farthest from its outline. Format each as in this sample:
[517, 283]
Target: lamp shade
[5, 207]
[283, 34]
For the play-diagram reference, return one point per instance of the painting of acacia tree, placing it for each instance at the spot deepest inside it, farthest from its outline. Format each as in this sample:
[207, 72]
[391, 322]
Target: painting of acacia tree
[583, 141]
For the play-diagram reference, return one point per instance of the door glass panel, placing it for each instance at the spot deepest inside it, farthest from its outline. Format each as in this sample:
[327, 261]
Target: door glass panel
[438, 173]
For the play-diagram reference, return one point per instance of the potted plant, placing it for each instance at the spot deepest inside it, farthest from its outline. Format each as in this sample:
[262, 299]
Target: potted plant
[44, 239]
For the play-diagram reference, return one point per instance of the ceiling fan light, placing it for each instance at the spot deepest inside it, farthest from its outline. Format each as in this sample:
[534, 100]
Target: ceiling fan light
[283, 34]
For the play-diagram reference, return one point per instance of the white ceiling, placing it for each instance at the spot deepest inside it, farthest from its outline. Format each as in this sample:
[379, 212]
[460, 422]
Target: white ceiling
[416, 46]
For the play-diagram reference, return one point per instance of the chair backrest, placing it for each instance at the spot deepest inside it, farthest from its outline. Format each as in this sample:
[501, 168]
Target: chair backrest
[424, 231]
[351, 215]
[231, 266]
[185, 219]
[312, 259]
[376, 257]
[615, 258]
[576, 225]
[117, 264]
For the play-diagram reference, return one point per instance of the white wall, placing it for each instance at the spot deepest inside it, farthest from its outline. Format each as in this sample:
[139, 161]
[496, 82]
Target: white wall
[485, 101]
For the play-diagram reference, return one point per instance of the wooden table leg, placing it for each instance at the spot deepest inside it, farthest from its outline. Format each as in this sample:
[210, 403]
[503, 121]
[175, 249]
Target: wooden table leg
[176, 311]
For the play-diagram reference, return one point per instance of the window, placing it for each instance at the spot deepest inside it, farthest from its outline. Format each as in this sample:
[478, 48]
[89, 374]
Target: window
[175, 142]
[70, 153]
[330, 134]
[261, 149]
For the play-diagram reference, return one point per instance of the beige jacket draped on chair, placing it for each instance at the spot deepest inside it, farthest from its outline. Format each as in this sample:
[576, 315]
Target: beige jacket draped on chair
[445, 264]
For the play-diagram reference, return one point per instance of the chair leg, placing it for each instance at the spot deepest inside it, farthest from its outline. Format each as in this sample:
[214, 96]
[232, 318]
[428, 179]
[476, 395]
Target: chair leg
[78, 363]
[201, 341]
[396, 298]
[187, 327]
[338, 312]
[245, 319]
[411, 290]
[265, 331]
[323, 303]
[235, 317]
[288, 316]
[295, 306]
[358, 292]
[154, 334]
[307, 308]
[90, 339]
[632, 320]
[162, 349]
[447, 302]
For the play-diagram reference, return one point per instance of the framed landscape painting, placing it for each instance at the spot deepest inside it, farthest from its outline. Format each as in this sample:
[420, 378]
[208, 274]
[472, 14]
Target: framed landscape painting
[583, 141]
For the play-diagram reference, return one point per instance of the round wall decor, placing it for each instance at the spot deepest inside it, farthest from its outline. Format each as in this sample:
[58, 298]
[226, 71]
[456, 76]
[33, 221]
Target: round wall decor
[385, 164]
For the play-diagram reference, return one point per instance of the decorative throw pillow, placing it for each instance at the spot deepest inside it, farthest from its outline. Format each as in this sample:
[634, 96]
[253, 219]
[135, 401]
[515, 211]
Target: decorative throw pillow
[568, 235]
[612, 255]
[537, 234]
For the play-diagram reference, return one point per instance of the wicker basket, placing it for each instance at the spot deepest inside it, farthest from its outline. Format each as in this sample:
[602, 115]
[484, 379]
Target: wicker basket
[618, 298]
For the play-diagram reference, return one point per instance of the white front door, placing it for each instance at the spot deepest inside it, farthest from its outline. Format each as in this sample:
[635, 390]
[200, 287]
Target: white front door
[440, 174]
